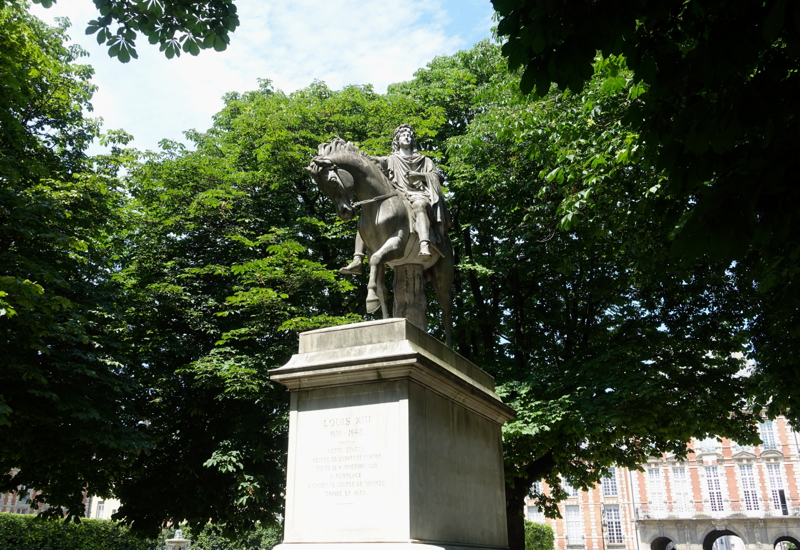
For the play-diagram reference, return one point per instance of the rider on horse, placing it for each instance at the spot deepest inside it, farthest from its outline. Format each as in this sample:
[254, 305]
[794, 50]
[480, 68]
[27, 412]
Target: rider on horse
[417, 178]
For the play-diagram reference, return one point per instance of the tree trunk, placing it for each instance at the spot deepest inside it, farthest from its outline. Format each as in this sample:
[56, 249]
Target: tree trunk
[515, 499]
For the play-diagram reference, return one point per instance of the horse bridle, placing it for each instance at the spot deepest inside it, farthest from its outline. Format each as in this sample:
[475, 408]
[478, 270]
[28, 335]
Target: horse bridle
[358, 204]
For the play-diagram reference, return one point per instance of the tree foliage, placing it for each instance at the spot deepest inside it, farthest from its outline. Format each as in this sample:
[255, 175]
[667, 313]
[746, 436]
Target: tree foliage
[539, 536]
[27, 532]
[175, 25]
[608, 350]
[230, 251]
[176, 292]
[714, 107]
[64, 387]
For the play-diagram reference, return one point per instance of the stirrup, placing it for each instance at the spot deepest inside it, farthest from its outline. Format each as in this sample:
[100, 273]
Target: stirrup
[356, 267]
[423, 248]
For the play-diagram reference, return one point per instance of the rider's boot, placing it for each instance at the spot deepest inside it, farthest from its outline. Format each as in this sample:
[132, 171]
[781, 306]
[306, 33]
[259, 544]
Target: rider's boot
[356, 267]
[424, 249]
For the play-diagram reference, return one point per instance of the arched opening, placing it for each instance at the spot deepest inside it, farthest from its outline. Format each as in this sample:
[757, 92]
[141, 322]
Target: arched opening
[723, 540]
[662, 543]
[785, 543]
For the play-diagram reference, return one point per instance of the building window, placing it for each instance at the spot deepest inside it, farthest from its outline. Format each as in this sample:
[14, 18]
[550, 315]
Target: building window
[680, 490]
[574, 527]
[655, 488]
[572, 492]
[536, 488]
[535, 514]
[767, 435]
[748, 486]
[714, 490]
[613, 524]
[100, 505]
[775, 479]
[610, 483]
[708, 445]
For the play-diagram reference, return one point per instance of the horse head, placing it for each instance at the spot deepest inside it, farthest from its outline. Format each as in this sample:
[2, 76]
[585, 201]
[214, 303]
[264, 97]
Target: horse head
[336, 183]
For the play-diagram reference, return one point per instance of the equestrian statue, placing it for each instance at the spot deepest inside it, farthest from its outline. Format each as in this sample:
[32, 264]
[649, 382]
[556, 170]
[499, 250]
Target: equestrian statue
[403, 222]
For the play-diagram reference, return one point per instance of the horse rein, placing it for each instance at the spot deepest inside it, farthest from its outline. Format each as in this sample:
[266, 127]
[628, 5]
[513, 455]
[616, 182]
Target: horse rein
[360, 203]
[380, 198]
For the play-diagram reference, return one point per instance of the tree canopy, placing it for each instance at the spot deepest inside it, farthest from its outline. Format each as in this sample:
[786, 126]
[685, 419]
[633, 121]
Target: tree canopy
[230, 251]
[143, 312]
[713, 105]
[608, 349]
[175, 25]
[65, 413]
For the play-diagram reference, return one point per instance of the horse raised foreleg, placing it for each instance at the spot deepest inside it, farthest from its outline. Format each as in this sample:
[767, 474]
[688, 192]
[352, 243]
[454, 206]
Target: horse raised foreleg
[392, 248]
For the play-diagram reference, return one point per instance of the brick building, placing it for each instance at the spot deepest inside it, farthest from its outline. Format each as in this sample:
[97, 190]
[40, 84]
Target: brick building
[721, 490]
[18, 502]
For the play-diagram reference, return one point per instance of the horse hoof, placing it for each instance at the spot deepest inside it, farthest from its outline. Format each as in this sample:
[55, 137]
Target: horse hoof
[373, 305]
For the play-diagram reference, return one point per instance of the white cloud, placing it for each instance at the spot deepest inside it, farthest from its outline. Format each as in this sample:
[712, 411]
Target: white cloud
[291, 43]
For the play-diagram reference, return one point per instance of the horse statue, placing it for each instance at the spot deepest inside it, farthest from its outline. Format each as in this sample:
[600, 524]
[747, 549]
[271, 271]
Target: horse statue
[342, 173]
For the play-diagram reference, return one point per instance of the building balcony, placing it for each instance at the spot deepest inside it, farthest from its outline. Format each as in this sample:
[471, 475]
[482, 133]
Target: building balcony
[575, 541]
[730, 510]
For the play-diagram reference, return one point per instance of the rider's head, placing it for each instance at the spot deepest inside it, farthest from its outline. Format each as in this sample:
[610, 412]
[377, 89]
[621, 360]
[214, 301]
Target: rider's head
[404, 130]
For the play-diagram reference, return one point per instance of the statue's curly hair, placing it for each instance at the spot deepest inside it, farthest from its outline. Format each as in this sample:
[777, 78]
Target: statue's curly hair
[414, 144]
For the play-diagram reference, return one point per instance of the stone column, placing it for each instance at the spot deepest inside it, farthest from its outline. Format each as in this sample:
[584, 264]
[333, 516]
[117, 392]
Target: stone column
[409, 295]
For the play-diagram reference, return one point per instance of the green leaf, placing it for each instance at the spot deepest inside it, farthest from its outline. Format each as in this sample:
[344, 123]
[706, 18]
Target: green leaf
[773, 22]
[538, 42]
[219, 43]
[528, 80]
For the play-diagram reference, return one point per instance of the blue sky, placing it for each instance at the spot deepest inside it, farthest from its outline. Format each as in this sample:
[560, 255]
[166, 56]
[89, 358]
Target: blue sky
[291, 43]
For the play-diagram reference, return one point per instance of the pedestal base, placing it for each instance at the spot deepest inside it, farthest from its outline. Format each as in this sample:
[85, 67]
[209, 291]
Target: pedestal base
[394, 441]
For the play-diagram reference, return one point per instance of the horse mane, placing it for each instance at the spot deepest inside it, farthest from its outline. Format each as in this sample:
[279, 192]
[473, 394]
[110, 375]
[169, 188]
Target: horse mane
[338, 146]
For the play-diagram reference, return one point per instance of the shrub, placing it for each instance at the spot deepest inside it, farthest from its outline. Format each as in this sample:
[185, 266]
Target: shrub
[538, 536]
[29, 532]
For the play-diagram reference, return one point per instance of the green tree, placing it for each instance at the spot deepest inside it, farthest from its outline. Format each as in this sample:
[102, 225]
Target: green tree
[65, 390]
[231, 250]
[715, 109]
[538, 536]
[198, 24]
[608, 350]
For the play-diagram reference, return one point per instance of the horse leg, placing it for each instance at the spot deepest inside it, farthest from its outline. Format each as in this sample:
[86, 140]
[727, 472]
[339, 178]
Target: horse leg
[393, 246]
[381, 290]
[441, 276]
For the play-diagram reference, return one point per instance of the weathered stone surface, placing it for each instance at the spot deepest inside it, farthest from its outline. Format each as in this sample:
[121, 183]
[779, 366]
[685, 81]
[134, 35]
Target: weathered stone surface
[403, 221]
[394, 439]
[409, 294]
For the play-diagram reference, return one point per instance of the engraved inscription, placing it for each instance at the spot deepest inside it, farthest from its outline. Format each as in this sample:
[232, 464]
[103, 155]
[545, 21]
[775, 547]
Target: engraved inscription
[350, 464]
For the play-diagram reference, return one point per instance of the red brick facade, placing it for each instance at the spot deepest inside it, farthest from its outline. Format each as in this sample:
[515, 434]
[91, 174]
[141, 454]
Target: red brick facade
[719, 479]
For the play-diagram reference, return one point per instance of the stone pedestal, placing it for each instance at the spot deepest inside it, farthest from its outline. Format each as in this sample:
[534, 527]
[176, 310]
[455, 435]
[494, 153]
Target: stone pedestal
[409, 294]
[394, 440]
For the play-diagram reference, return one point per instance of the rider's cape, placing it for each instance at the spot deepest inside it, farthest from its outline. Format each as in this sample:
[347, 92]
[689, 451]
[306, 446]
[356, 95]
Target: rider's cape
[397, 166]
